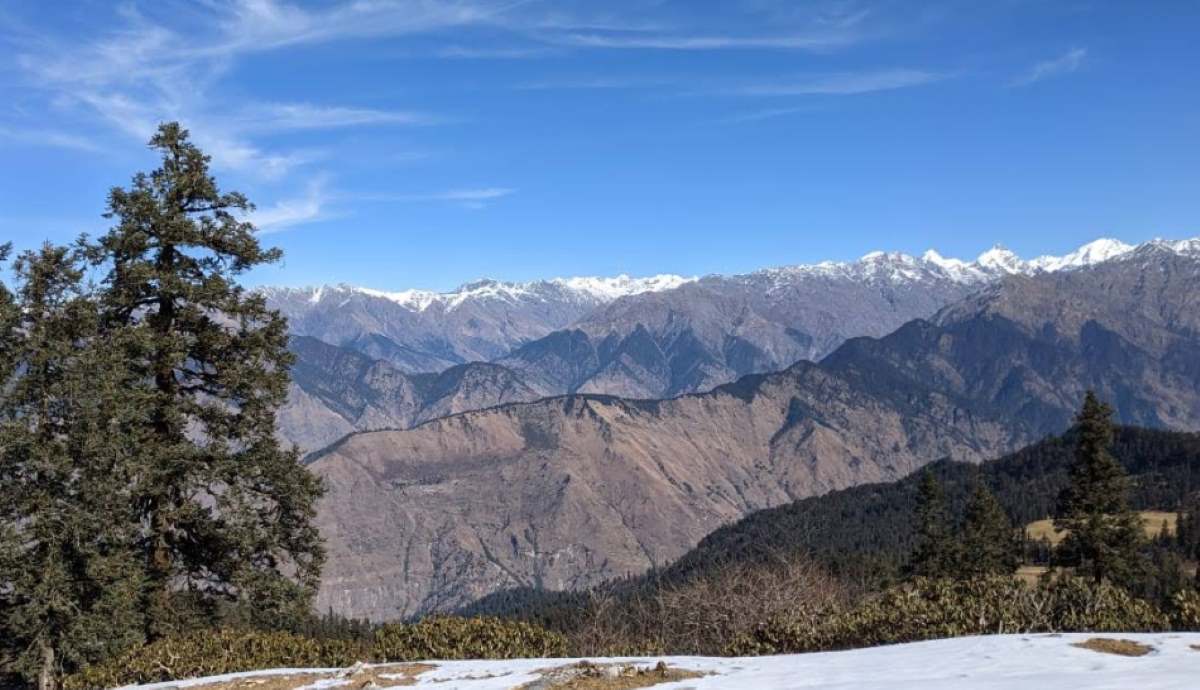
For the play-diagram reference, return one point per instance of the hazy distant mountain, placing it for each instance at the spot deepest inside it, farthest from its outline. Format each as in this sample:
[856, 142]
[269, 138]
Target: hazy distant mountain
[337, 390]
[643, 338]
[1027, 348]
[756, 322]
[715, 330]
[421, 331]
[567, 491]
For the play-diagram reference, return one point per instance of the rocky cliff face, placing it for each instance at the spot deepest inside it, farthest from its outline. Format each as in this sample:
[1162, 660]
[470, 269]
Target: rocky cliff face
[567, 491]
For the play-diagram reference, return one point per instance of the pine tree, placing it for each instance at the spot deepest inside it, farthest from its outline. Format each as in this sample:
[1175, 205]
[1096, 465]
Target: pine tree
[1103, 534]
[228, 512]
[68, 580]
[936, 553]
[990, 546]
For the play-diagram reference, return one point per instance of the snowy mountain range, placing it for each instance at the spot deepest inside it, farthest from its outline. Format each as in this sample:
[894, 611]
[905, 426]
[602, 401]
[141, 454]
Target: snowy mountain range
[878, 265]
[652, 337]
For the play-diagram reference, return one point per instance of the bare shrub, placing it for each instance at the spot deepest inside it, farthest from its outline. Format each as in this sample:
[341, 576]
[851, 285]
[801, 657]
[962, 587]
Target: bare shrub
[703, 614]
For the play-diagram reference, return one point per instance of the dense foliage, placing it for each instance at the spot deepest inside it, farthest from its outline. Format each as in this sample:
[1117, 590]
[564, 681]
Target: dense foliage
[142, 488]
[223, 504]
[989, 545]
[69, 576]
[1103, 534]
[936, 551]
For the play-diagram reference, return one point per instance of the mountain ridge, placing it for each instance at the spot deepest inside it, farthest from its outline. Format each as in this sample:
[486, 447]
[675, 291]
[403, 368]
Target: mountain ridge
[992, 261]
[663, 341]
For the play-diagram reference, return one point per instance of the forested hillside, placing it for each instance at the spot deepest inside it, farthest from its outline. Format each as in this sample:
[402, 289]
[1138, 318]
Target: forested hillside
[867, 531]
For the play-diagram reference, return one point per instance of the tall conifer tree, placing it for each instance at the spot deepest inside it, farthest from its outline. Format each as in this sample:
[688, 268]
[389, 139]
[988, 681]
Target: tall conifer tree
[68, 577]
[989, 544]
[1103, 533]
[935, 553]
[228, 511]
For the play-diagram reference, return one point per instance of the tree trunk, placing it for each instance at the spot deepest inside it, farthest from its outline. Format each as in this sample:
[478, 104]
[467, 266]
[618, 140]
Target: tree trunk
[47, 678]
[161, 556]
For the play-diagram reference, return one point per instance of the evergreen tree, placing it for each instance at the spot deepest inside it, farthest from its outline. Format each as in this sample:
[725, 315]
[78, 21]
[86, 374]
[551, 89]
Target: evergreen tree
[68, 579]
[990, 546]
[936, 553]
[1103, 534]
[228, 512]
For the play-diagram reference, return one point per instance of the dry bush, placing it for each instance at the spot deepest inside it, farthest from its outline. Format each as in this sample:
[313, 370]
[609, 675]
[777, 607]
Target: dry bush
[703, 614]
[1119, 647]
[932, 609]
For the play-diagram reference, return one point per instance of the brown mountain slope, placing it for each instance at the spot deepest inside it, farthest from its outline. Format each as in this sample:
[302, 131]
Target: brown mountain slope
[566, 492]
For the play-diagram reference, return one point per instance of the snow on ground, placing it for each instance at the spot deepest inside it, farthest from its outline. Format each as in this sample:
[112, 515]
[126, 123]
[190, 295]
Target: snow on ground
[1002, 662]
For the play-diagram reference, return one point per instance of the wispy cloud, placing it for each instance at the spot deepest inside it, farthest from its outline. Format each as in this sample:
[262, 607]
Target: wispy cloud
[599, 83]
[462, 52]
[48, 138]
[146, 72]
[767, 114]
[1067, 63]
[473, 197]
[484, 194]
[273, 117]
[288, 213]
[813, 42]
[841, 83]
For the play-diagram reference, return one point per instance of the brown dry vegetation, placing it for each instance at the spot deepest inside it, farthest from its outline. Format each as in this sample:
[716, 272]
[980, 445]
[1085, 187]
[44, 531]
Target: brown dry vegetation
[1107, 645]
[1152, 524]
[705, 614]
[589, 676]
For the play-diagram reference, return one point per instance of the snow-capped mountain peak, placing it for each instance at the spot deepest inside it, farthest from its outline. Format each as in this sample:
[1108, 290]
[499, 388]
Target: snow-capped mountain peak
[1091, 253]
[585, 289]
[997, 262]
[608, 289]
[1000, 259]
[1184, 247]
[957, 269]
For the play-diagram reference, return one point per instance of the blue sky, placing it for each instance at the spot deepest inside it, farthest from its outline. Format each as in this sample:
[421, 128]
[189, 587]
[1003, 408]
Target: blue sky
[400, 144]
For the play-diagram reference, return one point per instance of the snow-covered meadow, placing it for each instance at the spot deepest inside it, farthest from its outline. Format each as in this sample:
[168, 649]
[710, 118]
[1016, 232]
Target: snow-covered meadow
[1004, 662]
